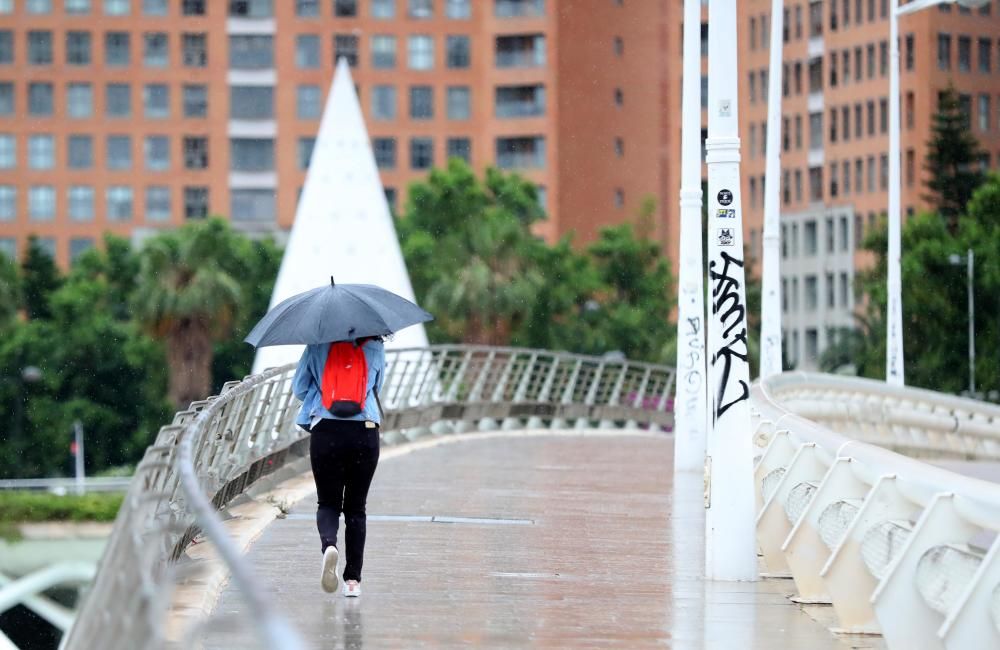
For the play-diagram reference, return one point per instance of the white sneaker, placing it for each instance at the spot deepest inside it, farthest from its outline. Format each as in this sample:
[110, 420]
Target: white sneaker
[352, 589]
[328, 577]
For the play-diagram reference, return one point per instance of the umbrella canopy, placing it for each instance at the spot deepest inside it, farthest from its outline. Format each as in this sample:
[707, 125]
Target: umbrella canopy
[336, 312]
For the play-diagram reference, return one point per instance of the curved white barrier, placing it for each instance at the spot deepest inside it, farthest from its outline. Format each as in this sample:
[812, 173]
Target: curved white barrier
[897, 546]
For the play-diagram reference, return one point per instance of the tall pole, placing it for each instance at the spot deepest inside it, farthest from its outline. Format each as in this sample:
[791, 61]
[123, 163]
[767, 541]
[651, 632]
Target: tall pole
[730, 544]
[972, 328]
[894, 315]
[78, 450]
[770, 317]
[691, 399]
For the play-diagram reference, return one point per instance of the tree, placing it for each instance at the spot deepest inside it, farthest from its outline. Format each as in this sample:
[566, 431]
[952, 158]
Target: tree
[10, 291]
[952, 159]
[40, 278]
[189, 295]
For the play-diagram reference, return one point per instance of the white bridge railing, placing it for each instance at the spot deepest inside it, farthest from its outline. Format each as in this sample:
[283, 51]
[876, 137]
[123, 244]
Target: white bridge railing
[898, 546]
[212, 452]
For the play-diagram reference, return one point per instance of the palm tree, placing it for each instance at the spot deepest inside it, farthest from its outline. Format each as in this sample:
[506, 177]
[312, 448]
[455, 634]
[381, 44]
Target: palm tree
[188, 296]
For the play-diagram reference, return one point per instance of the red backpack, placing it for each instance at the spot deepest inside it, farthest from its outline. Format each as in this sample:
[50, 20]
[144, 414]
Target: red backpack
[345, 379]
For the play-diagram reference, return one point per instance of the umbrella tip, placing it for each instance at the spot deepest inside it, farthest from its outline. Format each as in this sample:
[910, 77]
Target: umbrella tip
[332, 283]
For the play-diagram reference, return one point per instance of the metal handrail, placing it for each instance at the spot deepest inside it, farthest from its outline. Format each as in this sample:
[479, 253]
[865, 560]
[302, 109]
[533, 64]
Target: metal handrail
[898, 546]
[213, 451]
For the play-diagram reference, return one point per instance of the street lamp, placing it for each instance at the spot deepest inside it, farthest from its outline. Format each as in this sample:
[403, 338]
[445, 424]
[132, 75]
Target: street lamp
[894, 318]
[956, 260]
[28, 375]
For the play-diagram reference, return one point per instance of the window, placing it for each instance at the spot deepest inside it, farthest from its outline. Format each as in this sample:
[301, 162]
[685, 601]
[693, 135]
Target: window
[119, 152]
[859, 124]
[883, 58]
[195, 202]
[251, 52]
[816, 75]
[307, 51]
[845, 289]
[815, 130]
[38, 6]
[118, 100]
[619, 97]
[858, 64]
[831, 239]
[156, 100]
[908, 52]
[77, 48]
[834, 21]
[521, 51]
[985, 54]
[753, 192]
[812, 292]
[910, 167]
[845, 126]
[457, 51]
[41, 203]
[39, 47]
[251, 154]
[815, 19]
[116, 7]
[815, 184]
[345, 46]
[8, 202]
[944, 52]
[195, 100]
[883, 115]
[846, 185]
[964, 53]
[253, 205]
[753, 141]
[116, 49]
[157, 203]
[618, 46]
[193, 7]
[798, 21]
[833, 125]
[384, 102]
[80, 152]
[345, 8]
[156, 150]
[984, 112]
[831, 291]
[516, 8]
[752, 75]
[798, 132]
[79, 100]
[250, 8]
[457, 9]
[8, 151]
[420, 9]
[308, 102]
[845, 239]
[305, 150]
[421, 102]
[420, 52]
[154, 7]
[385, 152]
[859, 168]
[871, 173]
[384, 9]
[619, 198]
[40, 100]
[871, 60]
[421, 153]
[195, 152]
[195, 50]
[871, 117]
[6, 46]
[251, 102]
[833, 69]
[155, 53]
[458, 103]
[41, 152]
[834, 181]
[525, 152]
[753, 32]
[119, 203]
[459, 148]
[383, 52]
[307, 8]
[81, 202]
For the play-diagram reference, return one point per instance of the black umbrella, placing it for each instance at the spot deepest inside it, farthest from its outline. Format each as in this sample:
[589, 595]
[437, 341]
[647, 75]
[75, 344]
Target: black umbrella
[337, 312]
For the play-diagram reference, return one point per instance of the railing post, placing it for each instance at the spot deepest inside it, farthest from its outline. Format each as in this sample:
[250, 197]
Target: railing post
[607, 423]
[584, 422]
[559, 422]
[535, 421]
[490, 423]
[512, 423]
[475, 394]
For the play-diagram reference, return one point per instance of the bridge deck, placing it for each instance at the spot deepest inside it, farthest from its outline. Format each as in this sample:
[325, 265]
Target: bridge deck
[610, 557]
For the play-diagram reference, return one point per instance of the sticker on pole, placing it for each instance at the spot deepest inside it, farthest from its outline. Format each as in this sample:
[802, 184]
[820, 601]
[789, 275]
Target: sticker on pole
[726, 237]
[725, 197]
[725, 108]
[725, 213]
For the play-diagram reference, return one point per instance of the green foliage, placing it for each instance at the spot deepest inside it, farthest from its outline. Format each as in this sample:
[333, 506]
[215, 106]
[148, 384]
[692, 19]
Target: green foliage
[17, 506]
[952, 159]
[476, 264]
[40, 278]
[935, 304]
[10, 291]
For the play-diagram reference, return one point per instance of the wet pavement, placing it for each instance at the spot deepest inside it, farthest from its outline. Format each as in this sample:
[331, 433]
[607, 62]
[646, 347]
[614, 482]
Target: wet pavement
[528, 541]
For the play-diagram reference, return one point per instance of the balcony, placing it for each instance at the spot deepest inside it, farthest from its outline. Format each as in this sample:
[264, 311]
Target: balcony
[520, 101]
[518, 8]
[521, 51]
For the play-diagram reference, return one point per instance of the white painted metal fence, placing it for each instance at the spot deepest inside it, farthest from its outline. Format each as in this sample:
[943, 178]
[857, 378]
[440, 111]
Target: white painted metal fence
[898, 546]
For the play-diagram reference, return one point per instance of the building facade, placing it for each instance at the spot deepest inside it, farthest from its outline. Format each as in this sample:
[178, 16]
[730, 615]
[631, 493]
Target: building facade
[129, 116]
[834, 137]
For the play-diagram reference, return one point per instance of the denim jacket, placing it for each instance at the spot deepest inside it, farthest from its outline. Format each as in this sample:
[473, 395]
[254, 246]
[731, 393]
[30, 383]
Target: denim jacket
[309, 377]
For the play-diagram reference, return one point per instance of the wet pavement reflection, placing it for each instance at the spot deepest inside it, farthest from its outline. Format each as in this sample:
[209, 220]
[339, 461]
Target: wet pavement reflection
[611, 558]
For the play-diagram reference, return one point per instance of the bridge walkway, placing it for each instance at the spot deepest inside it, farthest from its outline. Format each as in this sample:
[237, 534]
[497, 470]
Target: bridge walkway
[569, 541]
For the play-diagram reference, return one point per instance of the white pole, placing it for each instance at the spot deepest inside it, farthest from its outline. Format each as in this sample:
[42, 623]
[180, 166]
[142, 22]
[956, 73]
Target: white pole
[972, 328]
[730, 545]
[770, 317]
[78, 438]
[691, 399]
[894, 314]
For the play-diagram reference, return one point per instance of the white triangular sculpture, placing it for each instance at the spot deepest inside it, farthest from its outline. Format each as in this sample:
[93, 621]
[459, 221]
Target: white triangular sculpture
[342, 226]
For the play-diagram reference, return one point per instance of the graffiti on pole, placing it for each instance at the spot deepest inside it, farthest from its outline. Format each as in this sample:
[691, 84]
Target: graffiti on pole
[727, 303]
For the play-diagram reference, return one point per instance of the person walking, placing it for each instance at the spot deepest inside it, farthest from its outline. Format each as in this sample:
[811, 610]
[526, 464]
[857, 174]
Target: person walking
[340, 408]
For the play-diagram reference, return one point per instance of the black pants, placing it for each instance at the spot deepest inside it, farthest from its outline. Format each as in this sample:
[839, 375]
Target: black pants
[344, 456]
